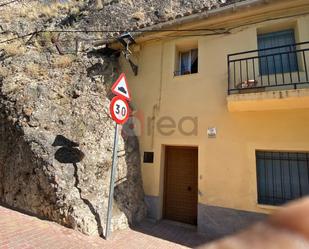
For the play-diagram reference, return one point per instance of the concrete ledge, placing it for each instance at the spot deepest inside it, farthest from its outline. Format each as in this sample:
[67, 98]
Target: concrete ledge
[269, 100]
[218, 222]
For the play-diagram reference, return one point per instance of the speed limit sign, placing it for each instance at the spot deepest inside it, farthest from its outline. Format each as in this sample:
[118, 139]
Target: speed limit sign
[119, 110]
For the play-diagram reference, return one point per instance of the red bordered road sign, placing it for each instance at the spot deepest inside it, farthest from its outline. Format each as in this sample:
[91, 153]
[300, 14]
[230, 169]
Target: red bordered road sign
[120, 88]
[119, 110]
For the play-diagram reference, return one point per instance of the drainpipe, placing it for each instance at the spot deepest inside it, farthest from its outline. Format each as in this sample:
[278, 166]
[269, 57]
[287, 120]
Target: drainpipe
[157, 106]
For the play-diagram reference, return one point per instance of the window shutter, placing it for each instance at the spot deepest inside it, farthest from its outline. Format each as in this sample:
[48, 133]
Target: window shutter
[286, 62]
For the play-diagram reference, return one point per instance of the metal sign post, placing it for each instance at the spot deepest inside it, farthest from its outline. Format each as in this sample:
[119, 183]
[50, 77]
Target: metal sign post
[112, 183]
[119, 110]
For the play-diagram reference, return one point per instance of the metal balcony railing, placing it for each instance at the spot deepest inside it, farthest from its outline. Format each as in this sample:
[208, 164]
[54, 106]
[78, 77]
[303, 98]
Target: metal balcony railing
[276, 68]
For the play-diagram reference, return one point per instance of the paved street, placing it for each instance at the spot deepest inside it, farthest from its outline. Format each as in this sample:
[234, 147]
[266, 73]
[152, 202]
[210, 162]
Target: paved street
[20, 231]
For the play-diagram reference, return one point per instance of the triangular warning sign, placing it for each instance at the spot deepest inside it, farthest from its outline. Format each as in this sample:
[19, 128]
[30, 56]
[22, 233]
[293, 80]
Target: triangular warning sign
[120, 87]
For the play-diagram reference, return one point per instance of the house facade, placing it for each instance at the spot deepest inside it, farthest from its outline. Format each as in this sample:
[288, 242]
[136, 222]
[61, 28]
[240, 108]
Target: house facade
[221, 109]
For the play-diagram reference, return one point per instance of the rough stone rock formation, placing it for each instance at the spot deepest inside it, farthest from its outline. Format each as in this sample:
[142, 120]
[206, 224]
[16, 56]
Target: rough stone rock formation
[56, 135]
[135, 13]
[56, 144]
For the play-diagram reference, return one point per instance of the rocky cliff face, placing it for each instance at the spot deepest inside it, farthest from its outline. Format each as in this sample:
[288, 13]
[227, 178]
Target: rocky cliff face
[56, 144]
[56, 135]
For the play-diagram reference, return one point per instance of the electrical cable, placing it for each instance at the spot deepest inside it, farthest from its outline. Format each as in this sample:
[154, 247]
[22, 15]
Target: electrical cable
[218, 31]
[7, 3]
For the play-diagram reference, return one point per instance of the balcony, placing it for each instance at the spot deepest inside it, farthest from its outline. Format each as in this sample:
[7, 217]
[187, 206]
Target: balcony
[269, 79]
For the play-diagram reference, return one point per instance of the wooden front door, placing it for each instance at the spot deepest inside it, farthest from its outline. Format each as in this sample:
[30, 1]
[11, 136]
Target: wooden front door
[180, 188]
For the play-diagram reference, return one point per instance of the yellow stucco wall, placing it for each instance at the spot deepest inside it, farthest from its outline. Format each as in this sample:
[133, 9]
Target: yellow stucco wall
[227, 168]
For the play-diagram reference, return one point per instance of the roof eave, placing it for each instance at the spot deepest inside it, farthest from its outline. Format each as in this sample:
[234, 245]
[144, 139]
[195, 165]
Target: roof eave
[160, 27]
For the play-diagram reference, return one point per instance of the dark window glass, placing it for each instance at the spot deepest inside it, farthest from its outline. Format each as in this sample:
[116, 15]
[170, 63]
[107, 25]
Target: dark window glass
[277, 60]
[281, 176]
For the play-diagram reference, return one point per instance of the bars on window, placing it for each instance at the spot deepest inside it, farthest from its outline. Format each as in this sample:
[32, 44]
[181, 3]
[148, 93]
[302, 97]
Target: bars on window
[273, 68]
[281, 176]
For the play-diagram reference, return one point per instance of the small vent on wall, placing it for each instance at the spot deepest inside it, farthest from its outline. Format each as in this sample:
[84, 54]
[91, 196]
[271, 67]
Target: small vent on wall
[148, 157]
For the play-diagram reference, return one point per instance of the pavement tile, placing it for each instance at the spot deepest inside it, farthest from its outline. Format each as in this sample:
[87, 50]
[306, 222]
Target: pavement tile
[20, 231]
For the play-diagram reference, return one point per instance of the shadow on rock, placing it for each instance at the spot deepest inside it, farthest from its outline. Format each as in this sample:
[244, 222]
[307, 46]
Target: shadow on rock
[129, 194]
[63, 141]
[68, 153]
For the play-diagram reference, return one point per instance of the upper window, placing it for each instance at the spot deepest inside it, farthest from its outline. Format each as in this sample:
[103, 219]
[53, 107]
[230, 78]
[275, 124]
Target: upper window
[277, 60]
[281, 176]
[188, 62]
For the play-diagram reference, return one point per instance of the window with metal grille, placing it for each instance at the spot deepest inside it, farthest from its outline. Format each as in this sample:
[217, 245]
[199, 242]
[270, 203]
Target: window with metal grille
[281, 176]
[280, 59]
